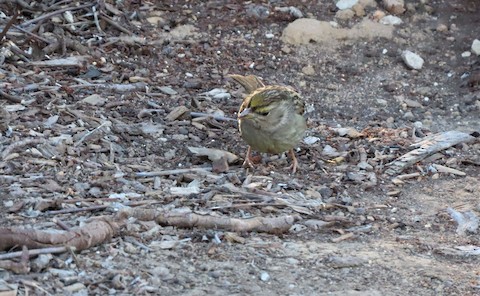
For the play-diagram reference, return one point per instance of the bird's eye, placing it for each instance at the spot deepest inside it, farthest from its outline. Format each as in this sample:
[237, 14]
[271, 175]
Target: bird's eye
[263, 113]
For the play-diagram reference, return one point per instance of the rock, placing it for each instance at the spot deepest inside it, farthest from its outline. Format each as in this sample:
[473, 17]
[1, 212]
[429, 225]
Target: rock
[310, 140]
[394, 6]
[368, 3]
[418, 124]
[466, 54]
[304, 31]
[391, 20]
[409, 116]
[213, 154]
[412, 103]
[424, 90]
[329, 151]
[411, 7]
[346, 4]
[378, 15]
[264, 276]
[193, 84]
[257, 11]
[412, 60]
[308, 70]
[94, 100]
[220, 165]
[345, 14]
[293, 11]
[168, 90]
[286, 49]
[382, 102]
[75, 288]
[476, 47]
[442, 28]
[359, 10]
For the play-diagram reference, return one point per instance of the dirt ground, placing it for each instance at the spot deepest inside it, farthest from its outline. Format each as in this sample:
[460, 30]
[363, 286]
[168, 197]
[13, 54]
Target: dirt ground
[357, 231]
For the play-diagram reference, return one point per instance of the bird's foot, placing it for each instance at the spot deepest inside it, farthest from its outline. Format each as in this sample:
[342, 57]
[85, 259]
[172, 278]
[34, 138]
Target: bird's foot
[294, 164]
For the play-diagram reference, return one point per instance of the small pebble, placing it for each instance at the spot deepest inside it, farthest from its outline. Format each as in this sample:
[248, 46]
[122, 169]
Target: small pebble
[264, 276]
[391, 20]
[412, 60]
[346, 4]
[442, 28]
[310, 140]
[418, 124]
[408, 115]
[394, 6]
[345, 14]
[168, 90]
[378, 15]
[308, 70]
[257, 11]
[476, 47]
[382, 102]
[359, 10]
[466, 54]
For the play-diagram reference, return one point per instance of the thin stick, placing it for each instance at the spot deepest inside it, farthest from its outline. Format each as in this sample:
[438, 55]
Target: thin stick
[113, 23]
[90, 133]
[48, 15]
[217, 117]
[10, 23]
[173, 172]
[9, 97]
[95, 17]
[52, 250]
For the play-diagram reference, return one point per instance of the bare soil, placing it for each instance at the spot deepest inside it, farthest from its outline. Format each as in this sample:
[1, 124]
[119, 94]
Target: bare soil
[354, 235]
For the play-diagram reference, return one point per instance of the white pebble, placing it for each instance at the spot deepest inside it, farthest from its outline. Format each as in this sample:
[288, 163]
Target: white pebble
[333, 24]
[264, 276]
[269, 35]
[466, 54]
[391, 20]
[412, 60]
[346, 4]
[476, 47]
[311, 140]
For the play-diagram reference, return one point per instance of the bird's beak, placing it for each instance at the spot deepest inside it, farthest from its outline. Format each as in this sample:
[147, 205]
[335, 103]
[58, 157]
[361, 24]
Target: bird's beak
[245, 112]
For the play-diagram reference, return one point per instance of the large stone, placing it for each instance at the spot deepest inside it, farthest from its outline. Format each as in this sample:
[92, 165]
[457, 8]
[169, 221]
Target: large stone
[476, 47]
[305, 30]
[412, 60]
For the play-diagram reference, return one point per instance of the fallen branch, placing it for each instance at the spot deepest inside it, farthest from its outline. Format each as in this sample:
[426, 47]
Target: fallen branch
[427, 147]
[187, 219]
[91, 234]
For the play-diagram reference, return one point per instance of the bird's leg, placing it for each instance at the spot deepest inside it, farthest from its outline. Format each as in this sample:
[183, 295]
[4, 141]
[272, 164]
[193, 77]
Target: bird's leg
[248, 161]
[294, 164]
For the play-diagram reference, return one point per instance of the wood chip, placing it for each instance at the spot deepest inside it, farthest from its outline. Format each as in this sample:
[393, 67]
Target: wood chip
[444, 169]
[176, 113]
[343, 237]
[428, 146]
